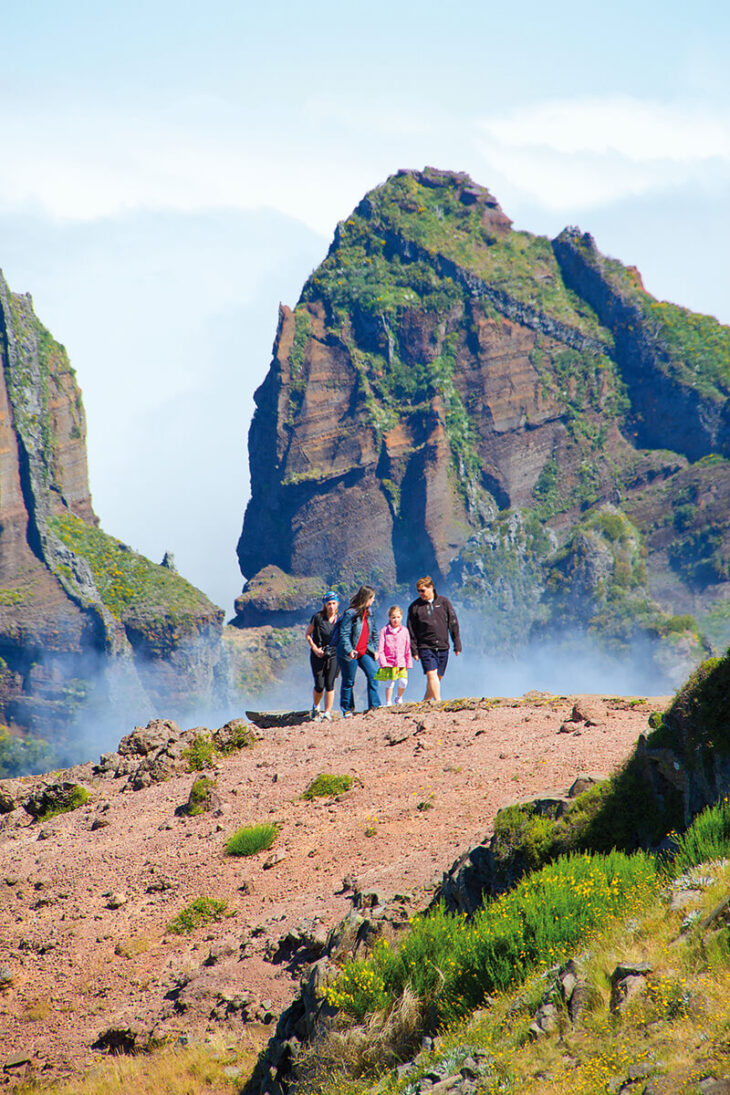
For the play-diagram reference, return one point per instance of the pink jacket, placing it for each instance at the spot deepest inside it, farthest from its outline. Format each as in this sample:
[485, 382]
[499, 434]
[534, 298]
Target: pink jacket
[394, 647]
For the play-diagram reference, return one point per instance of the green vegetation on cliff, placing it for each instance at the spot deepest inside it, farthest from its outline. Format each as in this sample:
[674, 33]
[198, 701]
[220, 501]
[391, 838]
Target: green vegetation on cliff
[695, 347]
[438, 219]
[130, 585]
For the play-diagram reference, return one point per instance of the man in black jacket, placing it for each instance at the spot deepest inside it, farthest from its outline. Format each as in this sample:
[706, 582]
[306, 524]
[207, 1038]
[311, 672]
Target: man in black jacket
[431, 620]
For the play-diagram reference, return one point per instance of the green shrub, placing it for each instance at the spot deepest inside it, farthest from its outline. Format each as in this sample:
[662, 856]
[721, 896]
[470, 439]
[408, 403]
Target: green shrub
[532, 836]
[200, 753]
[452, 964]
[203, 910]
[240, 737]
[326, 785]
[252, 839]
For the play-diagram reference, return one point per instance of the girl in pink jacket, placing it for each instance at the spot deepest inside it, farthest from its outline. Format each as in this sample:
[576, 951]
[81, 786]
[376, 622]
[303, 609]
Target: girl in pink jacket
[394, 655]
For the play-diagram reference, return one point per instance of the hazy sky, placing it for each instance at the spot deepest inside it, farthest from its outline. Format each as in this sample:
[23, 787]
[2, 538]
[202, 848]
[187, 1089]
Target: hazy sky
[172, 171]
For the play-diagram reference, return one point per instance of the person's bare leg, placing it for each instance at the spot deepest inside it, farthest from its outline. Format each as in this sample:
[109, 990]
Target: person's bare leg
[433, 685]
[388, 695]
[329, 699]
[316, 696]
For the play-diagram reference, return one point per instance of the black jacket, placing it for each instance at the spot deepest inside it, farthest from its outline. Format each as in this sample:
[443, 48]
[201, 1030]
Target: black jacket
[431, 622]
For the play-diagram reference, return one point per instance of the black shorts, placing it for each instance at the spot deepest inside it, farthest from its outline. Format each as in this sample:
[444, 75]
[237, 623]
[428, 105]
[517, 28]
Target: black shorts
[325, 672]
[434, 659]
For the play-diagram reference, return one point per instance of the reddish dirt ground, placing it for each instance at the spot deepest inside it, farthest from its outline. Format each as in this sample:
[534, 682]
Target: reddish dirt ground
[77, 965]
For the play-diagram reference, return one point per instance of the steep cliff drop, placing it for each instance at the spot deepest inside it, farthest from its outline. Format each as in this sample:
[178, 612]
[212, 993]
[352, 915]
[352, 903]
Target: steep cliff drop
[515, 415]
[89, 630]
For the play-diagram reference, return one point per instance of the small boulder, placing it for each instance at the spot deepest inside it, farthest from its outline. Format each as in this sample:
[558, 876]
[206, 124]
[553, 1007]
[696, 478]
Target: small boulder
[17, 1061]
[55, 798]
[203, 798]
[582, 783]
[7, 801]
[221, 949]
[147, 739]
[627, 981]
[589, 710]
[236, 734]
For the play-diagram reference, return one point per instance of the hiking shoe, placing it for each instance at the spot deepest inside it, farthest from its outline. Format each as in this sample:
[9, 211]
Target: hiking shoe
[314, 713]
[347, 714]
[327, 715]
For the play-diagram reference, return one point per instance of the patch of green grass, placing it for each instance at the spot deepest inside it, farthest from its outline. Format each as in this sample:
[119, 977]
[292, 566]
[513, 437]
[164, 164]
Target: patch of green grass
[252, 839]
[201, 911]
[699, 712]
[326, 786]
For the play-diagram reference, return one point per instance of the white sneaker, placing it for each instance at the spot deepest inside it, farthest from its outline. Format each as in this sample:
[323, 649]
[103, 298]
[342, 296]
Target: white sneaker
[327, 715]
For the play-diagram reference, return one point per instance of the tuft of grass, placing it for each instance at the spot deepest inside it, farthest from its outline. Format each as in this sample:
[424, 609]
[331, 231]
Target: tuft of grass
[201, 911]
[326, 785]
[200, 753]
[130, 948]
[37, 1010]
[706, 840]
[252, 839]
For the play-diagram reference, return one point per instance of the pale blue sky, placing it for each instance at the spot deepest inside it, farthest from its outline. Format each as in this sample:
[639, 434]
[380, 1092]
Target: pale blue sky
[170, 172]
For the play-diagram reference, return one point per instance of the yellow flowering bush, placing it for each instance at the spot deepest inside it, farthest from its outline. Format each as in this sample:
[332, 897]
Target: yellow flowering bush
[454, 962]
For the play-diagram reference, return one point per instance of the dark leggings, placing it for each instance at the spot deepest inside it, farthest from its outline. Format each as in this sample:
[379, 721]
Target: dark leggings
[325, 672]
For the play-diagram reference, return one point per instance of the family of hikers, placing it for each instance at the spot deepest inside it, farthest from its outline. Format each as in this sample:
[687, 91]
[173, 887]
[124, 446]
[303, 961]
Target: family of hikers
[339, 644]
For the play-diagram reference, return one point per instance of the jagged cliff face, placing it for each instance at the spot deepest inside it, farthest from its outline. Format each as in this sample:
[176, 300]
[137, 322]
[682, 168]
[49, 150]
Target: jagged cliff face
[449, 392]
[82, 617]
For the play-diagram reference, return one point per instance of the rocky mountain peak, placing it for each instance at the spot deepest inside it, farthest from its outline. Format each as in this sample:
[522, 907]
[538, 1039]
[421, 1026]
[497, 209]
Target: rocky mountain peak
[444, 377]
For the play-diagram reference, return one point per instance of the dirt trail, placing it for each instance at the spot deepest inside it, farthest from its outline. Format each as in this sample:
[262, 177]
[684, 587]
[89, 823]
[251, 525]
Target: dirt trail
[416, 804]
